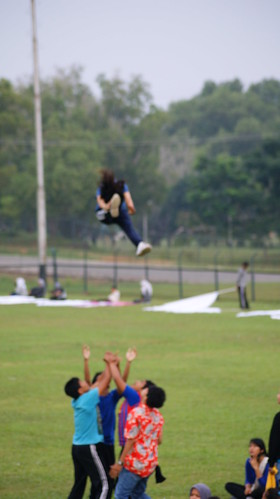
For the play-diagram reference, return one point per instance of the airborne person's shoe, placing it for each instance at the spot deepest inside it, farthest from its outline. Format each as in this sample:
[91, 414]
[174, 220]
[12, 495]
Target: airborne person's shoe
[115, 205]
[143, 248]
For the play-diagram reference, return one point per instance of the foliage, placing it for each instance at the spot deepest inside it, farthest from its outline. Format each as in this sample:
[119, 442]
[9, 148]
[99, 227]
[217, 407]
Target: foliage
[229, 194]
[210, 163]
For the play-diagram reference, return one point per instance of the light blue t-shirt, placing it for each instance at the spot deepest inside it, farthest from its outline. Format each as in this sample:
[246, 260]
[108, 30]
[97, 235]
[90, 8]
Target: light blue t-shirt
[88, 429]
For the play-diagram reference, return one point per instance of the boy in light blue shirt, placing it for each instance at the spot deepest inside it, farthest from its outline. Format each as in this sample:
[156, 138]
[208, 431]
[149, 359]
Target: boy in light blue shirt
[88, 441]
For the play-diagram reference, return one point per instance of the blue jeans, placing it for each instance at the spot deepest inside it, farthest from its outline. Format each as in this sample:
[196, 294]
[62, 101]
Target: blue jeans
[124, 222]
[131, 485]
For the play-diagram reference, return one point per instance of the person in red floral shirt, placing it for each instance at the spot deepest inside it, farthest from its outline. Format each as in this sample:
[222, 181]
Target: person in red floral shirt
[143, 434]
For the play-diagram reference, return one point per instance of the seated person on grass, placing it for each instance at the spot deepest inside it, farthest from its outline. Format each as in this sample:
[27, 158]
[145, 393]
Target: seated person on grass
[256, 471]
[40, 290]
[20, 287]
[58, 293]
[200, 491]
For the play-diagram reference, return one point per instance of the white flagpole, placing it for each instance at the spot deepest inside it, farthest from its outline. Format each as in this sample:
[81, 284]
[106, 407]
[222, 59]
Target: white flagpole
[41, 204]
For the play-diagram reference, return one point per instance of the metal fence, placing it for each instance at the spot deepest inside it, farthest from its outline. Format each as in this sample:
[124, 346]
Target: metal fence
[115, 272]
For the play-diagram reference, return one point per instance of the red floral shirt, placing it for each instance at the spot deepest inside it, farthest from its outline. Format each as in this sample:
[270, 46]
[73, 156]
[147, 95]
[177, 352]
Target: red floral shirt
[145, 426]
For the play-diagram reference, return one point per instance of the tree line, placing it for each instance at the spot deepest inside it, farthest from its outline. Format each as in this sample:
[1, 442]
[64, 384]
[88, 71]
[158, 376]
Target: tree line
[206, 166]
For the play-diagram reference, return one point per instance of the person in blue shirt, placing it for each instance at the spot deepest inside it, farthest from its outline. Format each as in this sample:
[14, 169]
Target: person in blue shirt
[256, 471]
[88, 440]
[115, 205]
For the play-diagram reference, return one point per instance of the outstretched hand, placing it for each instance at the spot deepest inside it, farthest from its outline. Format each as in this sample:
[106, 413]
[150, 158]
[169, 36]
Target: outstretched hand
[86, 352]
[131, 354]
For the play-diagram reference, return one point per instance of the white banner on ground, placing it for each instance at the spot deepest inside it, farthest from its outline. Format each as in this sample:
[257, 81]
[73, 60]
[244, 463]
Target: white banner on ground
[200, 304]
[274, 314]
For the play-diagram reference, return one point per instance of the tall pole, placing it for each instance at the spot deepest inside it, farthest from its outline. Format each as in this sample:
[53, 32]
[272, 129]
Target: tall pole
[41, 203]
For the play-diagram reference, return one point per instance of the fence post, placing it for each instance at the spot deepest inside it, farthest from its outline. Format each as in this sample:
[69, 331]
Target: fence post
[115, 278]
[180, 274]
[55, 278]
[252, 262]
[146, 267]
[216, 271]
[85, 271]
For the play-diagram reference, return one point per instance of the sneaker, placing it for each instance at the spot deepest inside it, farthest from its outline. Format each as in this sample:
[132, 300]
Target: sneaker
[115, 204]
[143, 248]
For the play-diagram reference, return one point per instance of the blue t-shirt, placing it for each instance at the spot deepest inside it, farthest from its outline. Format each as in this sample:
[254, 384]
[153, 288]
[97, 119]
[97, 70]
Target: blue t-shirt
[107, 406]
[250, 474]
[87, 428]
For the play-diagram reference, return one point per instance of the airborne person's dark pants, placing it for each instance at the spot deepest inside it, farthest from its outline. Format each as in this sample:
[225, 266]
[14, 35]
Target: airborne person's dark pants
[125, 223]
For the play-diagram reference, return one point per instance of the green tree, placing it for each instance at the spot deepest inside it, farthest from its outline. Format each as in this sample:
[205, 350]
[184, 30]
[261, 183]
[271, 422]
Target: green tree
[264, 166]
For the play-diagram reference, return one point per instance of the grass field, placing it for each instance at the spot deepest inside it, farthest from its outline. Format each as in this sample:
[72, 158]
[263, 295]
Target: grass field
[220, 373]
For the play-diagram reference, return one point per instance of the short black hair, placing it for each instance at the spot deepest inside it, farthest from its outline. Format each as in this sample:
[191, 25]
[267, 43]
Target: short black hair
[71, 388]
[96, 376]
[148, 383]
[156, 397]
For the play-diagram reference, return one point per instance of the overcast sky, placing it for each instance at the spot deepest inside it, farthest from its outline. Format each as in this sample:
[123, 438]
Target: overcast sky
[175, 45]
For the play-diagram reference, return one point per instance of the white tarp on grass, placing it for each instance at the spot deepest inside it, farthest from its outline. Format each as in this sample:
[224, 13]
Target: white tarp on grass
[45, 302]
[273, 314]
[81, 303]
[200, 304]
[17, 300]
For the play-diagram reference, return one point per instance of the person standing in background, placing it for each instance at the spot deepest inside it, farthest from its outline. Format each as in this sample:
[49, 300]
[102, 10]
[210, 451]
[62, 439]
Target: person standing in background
[241, 283]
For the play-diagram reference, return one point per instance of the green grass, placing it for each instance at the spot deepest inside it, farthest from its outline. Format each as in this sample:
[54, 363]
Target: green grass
[220, 374]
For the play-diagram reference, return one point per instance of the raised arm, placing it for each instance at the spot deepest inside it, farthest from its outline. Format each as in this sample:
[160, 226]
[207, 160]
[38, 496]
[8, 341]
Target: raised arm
[104, 379]
[86, 356]
[129, 203]
[116, 375]
[131, 354]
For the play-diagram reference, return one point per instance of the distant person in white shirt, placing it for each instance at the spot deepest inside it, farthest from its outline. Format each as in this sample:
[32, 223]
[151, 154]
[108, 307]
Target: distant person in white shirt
[20, 287]
[114, 296]
[146, 290]
[241, 283]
